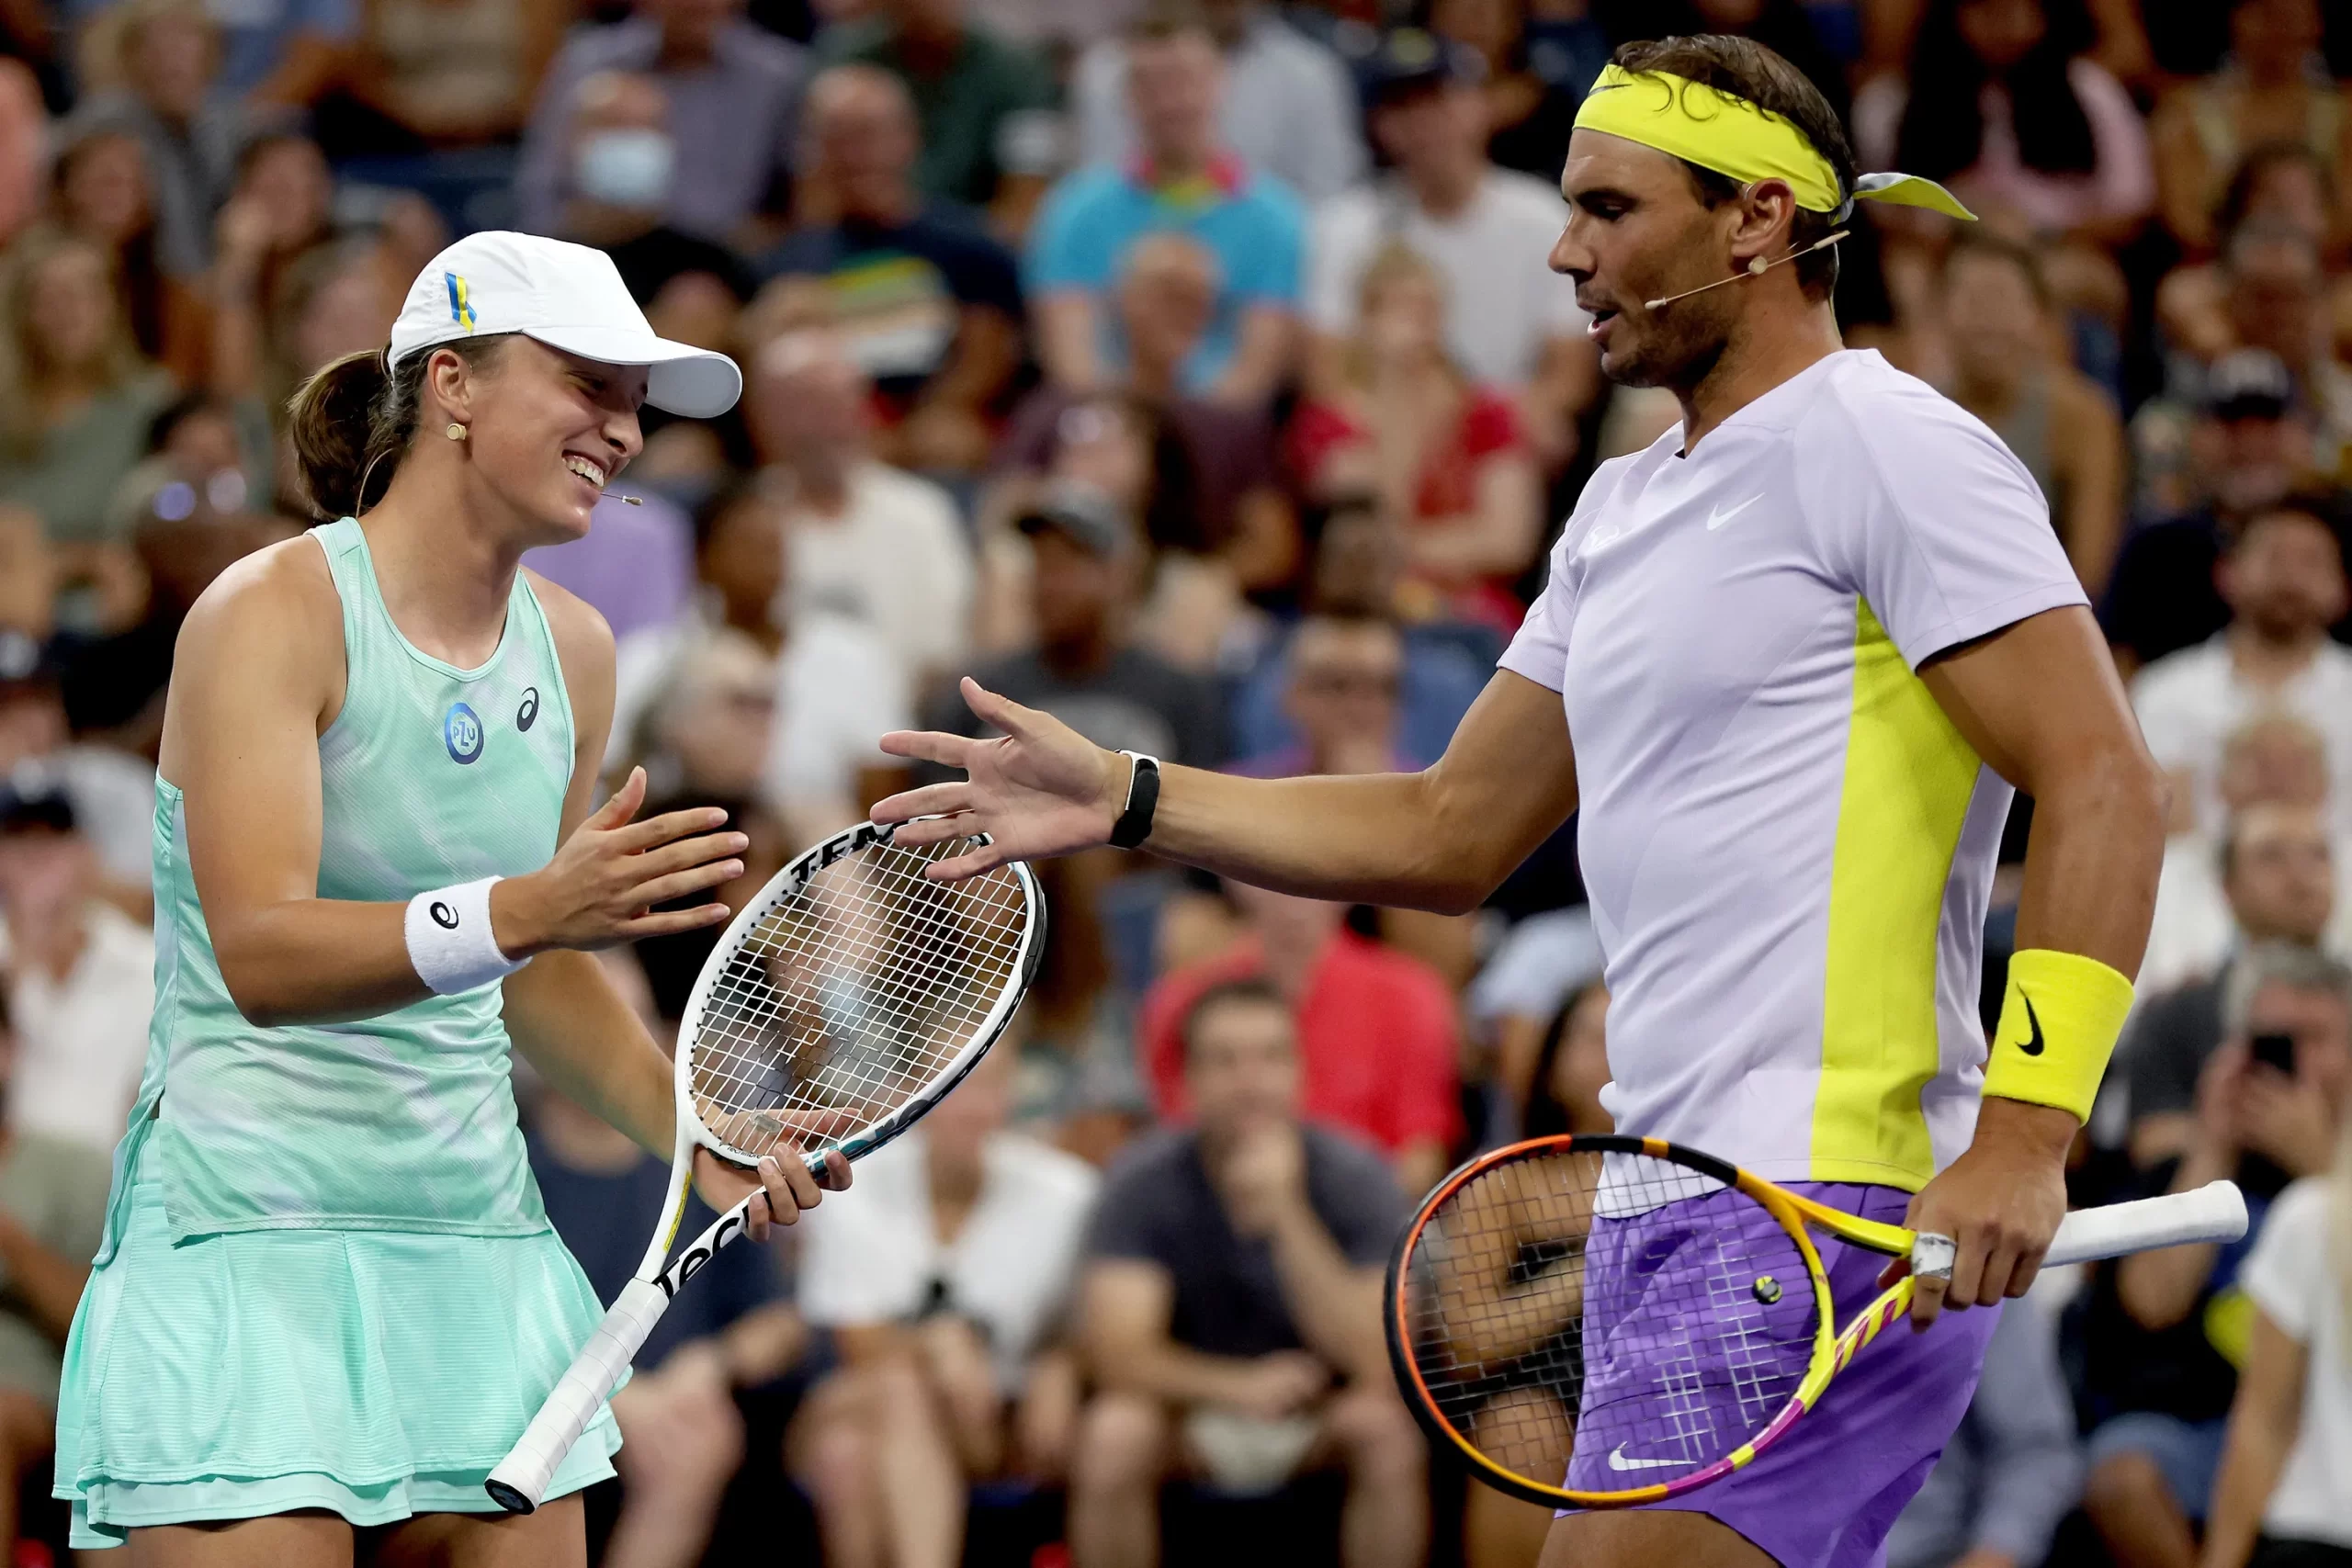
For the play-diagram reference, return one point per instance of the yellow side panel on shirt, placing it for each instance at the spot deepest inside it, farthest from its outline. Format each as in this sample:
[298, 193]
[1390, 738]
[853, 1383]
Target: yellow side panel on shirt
[1909, 776]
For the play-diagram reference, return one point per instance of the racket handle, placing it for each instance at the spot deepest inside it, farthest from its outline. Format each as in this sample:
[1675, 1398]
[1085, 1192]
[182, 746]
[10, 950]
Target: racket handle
[521, 1479]
[2214, 1213]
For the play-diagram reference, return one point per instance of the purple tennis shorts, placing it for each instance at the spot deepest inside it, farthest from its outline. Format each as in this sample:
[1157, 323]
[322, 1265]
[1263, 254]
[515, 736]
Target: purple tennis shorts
[1824, 1495]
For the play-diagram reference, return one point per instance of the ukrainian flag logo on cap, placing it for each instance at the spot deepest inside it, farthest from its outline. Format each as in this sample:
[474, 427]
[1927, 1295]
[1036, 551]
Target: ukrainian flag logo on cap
[461, 305]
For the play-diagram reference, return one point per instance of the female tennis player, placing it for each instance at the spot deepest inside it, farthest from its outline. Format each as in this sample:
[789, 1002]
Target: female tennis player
[1790, 661]
[328, 1299]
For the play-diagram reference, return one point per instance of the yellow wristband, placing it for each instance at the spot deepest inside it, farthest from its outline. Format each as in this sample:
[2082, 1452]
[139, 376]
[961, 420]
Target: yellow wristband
[2059, 1020]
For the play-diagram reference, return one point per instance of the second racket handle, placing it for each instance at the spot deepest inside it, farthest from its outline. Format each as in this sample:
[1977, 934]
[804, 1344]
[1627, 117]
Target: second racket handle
[520, 1481]
[2214, 1213]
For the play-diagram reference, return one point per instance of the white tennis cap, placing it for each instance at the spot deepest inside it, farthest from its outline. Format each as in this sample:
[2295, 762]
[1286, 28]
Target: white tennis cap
[568, 297]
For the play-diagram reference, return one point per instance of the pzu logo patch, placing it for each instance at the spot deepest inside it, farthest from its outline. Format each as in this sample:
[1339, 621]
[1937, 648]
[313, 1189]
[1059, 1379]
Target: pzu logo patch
[461, 733]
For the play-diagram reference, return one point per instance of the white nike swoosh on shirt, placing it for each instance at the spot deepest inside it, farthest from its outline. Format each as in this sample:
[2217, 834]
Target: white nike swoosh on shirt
[1719, 517]
[1617, 1461]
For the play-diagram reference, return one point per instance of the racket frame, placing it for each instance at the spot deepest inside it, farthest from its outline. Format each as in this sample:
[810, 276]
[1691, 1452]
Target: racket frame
[520, 1480]
[2213, 1212]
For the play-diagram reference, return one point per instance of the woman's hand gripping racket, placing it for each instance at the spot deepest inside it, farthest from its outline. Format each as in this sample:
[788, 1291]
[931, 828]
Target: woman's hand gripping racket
[839, 1005]
[1596, 1321]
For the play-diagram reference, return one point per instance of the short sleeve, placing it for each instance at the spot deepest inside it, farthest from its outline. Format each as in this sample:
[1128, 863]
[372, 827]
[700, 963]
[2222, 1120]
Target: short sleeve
[1334, 260]
[2287, 1271]
[1926, 513]
[1538, 650]
[1355, 1197]
[1128, 1222]
[1070, 248]
[985, 273]
[1267, 267]
[1490, 424]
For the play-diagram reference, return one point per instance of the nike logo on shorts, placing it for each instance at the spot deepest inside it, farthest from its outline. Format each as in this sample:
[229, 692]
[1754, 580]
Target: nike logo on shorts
[1617, 1461]
[1719, 517]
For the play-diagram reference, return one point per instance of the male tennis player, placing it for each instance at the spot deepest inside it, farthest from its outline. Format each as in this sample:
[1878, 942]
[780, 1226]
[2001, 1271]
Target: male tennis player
[1791, 662]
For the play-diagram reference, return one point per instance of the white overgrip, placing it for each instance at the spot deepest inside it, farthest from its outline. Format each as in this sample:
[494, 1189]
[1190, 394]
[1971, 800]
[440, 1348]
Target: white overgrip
[2213, 1212]
[520, 1481]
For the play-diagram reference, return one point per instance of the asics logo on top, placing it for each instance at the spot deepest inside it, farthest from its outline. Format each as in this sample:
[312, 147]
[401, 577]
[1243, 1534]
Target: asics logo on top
[529, 713]
[1719, 517]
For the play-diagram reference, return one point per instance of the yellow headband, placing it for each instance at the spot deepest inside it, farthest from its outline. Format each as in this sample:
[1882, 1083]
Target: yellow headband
[1717, 130]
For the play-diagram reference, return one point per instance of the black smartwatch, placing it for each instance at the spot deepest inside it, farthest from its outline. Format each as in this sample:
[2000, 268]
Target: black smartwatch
[1134, 825]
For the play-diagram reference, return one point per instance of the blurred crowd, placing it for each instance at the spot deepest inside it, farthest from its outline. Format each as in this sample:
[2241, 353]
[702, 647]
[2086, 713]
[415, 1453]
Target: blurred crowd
[1190, 369]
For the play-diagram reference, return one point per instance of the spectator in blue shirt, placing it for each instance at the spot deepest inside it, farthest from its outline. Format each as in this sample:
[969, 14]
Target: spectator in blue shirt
[1182, 178]
[927, 301]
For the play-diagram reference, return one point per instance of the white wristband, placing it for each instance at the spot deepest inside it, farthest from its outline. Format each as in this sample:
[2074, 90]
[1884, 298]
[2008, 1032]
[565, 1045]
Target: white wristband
[449, 938]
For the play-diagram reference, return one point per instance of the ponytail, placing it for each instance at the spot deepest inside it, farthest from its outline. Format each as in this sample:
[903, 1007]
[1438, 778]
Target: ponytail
[353, 418]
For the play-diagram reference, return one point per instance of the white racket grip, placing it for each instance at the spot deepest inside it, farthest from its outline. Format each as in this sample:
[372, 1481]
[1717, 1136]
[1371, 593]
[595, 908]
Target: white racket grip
[2215, 1212]
[520, 1481]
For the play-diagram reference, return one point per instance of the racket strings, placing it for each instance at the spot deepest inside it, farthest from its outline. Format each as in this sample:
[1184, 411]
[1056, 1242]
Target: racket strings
[902, 970]
[1624, 1308]
[849, 994]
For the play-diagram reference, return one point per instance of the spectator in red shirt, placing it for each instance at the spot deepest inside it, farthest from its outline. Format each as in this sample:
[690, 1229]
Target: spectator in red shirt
[1446, 454]
[1376, 1031]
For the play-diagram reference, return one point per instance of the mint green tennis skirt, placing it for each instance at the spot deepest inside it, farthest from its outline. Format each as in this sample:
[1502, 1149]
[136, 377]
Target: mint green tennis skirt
[375, 1373]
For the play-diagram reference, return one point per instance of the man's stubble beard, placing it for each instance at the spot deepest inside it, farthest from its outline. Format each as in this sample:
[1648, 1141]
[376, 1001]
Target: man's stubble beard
[1681, 346]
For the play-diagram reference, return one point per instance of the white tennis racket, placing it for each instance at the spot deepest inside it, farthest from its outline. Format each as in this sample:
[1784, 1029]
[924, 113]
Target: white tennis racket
[839, 1005]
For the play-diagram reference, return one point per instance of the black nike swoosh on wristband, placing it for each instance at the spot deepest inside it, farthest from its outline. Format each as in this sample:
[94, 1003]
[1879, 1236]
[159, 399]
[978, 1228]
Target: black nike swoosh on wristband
[2030, 1047]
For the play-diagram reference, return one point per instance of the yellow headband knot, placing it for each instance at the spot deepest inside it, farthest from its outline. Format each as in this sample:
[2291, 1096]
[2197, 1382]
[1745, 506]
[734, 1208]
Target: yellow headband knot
[1719, 131]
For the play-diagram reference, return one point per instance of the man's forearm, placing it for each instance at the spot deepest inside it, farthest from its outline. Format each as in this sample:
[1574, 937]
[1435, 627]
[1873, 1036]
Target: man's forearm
[1338, 1318]
[2091, 864]
[2159, 1287]
[1173, 1372]
[1363, 838]
[2251, 1461]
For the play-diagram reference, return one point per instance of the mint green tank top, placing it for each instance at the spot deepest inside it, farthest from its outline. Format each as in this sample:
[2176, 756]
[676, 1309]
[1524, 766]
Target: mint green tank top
[429, 775]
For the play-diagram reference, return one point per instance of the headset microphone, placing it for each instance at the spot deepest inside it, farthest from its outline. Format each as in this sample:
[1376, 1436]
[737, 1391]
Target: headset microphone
[1757, 267]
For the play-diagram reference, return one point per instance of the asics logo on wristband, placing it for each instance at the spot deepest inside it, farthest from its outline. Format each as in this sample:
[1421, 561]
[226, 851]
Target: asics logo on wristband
[461, 733]
[2030, 1047]
[529, 713]
[443, 916]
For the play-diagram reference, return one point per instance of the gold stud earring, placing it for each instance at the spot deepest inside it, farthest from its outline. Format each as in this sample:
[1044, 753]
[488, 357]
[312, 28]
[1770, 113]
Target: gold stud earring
[456, 432]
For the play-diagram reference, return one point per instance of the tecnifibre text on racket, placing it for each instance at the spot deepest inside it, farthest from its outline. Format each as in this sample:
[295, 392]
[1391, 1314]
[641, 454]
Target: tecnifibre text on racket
[1597, 1322]
[839, 1005]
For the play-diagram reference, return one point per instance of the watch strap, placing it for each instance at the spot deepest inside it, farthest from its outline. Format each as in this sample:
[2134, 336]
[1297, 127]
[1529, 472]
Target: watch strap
[1134, 825]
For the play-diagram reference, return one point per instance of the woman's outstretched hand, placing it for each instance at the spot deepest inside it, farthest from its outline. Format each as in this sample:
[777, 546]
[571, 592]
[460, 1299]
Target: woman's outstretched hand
[1039, 789]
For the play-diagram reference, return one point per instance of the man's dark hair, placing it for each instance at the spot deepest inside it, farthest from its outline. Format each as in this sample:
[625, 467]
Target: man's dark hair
[1746, 69]
[2321, 507]
[2253, 167]
[1163, 19]
[1968, 243]
[2258, 234]
[1247, 989]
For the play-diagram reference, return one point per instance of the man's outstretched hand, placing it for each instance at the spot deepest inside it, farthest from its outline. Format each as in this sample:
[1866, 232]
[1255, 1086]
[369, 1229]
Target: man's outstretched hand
[1039, 789]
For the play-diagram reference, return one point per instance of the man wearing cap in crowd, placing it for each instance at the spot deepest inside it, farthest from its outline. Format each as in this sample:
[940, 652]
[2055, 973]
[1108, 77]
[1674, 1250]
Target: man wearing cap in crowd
[1087, 566]
[1485, 230]
[1805, 643]
[2249, 446]
[79, 974]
